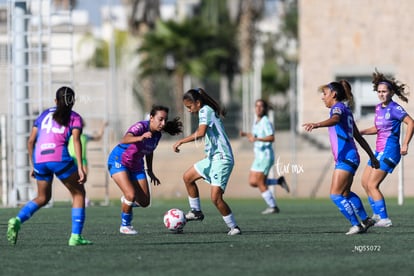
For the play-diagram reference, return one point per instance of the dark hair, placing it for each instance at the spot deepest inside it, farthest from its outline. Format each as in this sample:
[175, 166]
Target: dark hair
[265, 106]
[199, 94]
[173, 127]
[393, 85]
[343, 91]
[65, 99]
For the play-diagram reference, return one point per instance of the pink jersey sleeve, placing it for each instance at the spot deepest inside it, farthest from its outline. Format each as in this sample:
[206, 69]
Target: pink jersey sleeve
[52, 138]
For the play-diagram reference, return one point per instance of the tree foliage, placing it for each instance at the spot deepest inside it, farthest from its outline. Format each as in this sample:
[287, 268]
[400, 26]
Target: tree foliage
[187, 47]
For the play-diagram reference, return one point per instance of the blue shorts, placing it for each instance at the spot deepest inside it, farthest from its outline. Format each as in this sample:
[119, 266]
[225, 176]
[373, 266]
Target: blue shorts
[388, 160]
[347, 165]
[62, 169]
[216, 172]
[116, 167]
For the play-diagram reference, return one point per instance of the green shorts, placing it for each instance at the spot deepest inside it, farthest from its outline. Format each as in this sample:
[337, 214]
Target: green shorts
[216, 172]
[262, 164]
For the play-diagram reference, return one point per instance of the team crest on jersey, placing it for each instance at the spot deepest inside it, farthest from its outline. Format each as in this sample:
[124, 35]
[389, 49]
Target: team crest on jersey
[387, 115]
[336, 110]
[399, 108]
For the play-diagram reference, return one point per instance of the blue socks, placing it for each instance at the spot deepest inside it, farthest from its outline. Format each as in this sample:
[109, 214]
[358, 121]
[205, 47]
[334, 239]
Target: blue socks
[78, 219]
[345, 208]
[27, 211]
[378, 207]
[356, 203]
[381, 208]
[78, 216]
[126, 219]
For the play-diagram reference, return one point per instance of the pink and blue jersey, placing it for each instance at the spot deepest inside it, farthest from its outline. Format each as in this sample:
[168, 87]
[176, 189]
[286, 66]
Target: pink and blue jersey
[132, 155]
[341, 135]
[52, 138]
[388, 123]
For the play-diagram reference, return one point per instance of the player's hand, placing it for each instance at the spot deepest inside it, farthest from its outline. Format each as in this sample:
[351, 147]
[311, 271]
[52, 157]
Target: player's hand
[375, 163]
[154, 180]
[176, 147]
[82, 176]
[309, 126]
[146, 135]
[251, 137]
[404, 149]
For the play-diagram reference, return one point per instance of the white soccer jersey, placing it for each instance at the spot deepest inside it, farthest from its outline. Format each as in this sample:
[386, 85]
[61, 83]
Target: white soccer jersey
[217, 144]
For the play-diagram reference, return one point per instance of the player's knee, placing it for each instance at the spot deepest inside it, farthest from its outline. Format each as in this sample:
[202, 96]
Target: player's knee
[364, 185]
[187, 178]
[216, 199]
[43, 200]
[129, 197]
[253, 184]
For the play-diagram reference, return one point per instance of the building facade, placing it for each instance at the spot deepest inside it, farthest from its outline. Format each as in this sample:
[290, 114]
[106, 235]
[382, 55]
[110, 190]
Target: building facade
[350, 39]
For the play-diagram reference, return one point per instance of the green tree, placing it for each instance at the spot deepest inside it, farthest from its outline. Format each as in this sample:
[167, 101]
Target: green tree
[182, 48]
[144, 14]
[100, 55]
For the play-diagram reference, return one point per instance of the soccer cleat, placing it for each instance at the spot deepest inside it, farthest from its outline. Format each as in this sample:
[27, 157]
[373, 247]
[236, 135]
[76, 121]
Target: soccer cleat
[356, 229]
[282, 182]
[134, 204]
[234, 231]
[13, 230]
[271, 210]
[77, 239]
[194, 215]
[128, 230]
[386, 222]
[376, 217]
[367, 223]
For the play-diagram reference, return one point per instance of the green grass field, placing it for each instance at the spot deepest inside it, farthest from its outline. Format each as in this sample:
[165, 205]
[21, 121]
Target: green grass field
[306, 238]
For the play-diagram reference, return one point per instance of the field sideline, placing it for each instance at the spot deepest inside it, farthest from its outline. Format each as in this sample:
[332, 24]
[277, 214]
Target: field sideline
[306, 238]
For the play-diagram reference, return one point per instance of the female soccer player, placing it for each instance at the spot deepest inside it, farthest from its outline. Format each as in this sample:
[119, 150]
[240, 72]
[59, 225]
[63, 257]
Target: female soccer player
[216, 167]
[342, 131]
[85, 139]
[262, 136]
[388, 118]
[47, 147]
[126, 162]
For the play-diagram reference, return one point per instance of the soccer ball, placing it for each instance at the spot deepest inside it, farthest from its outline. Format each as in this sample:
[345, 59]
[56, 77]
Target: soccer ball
[174, 220]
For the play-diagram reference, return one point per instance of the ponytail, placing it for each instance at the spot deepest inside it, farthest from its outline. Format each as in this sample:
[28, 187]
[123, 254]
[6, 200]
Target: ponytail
[199, 94]
[65, 99]
[173, 127]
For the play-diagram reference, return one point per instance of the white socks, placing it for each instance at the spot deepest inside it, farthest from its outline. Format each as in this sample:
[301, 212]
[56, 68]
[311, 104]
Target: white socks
[269, 199]
[194, 203]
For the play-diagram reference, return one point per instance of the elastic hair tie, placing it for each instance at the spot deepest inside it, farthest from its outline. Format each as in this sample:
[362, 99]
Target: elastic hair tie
[65, 97]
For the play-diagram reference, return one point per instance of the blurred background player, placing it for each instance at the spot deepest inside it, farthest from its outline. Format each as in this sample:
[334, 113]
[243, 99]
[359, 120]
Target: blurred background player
[388, 118]
[126, 162]
[47, 146]
[342, 131]
[85, 139]
[218, 164]
[263, 136]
